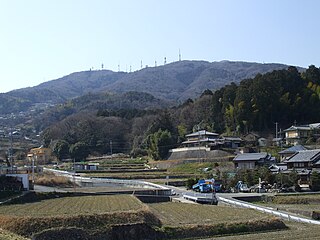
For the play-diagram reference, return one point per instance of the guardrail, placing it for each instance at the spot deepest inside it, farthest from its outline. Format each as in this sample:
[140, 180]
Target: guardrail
[133, 183]
[285, 216]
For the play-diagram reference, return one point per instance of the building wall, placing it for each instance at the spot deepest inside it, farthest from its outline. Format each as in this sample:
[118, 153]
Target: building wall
[246, 165]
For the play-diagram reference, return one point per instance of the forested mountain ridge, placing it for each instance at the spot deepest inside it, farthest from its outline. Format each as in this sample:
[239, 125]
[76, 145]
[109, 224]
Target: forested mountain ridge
[126, 105]
[176, 81]
[255, 104]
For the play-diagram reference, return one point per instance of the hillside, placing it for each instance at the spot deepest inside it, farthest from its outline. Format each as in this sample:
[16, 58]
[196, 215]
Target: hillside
[176, 81]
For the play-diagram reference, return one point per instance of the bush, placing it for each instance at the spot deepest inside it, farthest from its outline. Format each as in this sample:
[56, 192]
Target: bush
[190, 182]
[54, 181]
[315, 181]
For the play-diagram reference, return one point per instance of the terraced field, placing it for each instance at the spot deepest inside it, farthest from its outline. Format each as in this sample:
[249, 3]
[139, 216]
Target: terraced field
[5, 235]
[175, 214]
[296, 231]
[73, 206]
[296, 204]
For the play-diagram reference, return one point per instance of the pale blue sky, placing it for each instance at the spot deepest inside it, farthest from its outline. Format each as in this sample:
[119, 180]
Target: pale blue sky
[41, 40]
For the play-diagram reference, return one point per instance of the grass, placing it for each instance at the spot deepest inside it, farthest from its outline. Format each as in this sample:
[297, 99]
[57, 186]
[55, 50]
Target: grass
[89, 213]
[182, 220]
[68, 206]
[53, 181]
[297, 199]
[99, 213]
[137, 175]
[295, 231]
[179, 214]
[301, 204]
[6, 235]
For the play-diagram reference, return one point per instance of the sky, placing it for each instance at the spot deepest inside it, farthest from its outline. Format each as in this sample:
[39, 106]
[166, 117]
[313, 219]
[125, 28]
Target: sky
[42, 40]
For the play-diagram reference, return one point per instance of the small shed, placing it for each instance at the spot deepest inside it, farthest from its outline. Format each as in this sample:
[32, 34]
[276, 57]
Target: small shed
[88, 166]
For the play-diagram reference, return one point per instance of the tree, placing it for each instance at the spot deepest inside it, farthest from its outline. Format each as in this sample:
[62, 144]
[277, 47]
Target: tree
[79, 151]
[159, 144]
[315, 181]
[61, 149]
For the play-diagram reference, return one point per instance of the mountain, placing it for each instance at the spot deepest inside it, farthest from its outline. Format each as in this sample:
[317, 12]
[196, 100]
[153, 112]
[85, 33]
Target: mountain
[176, 81]
[126, 105]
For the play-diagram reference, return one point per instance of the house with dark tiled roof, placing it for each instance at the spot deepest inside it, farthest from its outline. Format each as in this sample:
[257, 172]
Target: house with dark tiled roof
[286, 153]
[305, 159]
[253, 160]
[304, 163]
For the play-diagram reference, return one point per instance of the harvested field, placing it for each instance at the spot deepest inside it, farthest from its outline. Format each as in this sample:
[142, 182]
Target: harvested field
[107, 215]
[297, 199]
[295, 231]
[177, 214]
[73, 206]
[5, 235]
[190, 221]
[90, 213]
[300, 204]
[138, 175]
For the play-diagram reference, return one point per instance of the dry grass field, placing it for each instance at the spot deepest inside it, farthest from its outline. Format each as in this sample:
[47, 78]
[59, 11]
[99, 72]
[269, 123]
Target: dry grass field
[177, 214]
[296, 231]
[297, 204]
[73, 206]
[5, 235]
[90, 214]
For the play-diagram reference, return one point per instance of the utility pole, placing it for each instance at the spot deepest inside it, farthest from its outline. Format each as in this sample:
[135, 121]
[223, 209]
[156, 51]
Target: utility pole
[32, 177]
[11, 149]
[111, 148]
[276, 130]
[74, 174]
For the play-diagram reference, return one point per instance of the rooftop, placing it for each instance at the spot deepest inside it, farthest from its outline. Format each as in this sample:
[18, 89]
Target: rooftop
[305, 156]
[202, 133]
[304, 127]
[250, 156]
[293, 149]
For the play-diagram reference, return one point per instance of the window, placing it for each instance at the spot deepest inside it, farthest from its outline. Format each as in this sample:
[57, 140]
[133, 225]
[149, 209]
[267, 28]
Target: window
[298, 164]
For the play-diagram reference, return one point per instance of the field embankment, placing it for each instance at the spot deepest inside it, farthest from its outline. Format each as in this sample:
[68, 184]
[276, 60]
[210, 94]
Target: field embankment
[50, 216]
[302, 204]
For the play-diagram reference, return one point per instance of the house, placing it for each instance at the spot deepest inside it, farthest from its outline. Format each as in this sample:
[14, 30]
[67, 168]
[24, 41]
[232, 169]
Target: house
[231, 142]
[299, 134]
[201, 138]
[304, 163]
[305, 159]
[253, 160]
[286, 153]
[251, 139]
[40, 155]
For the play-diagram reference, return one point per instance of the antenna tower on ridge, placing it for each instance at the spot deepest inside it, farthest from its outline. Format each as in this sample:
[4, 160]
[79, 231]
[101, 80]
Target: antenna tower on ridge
[141, 64]
[165, 60]
[179, 55]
